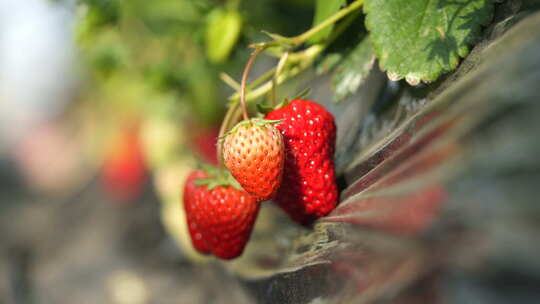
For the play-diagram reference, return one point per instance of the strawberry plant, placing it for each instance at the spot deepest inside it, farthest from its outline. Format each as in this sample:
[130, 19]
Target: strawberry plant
[288, 156]
[377, 163]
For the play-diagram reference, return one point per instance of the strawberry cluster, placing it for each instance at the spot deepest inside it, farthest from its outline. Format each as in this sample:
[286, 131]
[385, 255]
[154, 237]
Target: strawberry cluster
[286, 157]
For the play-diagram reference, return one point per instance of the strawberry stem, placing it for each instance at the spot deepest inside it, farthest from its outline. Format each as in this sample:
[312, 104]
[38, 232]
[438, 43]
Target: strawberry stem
[279, 68]
[329, 21]
[229, 81]
[303, 59]
[244, 80]
[230, 118]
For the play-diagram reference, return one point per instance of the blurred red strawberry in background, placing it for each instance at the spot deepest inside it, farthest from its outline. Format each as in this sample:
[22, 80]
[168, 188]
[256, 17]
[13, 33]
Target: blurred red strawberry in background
[203, 142]
[124, 171]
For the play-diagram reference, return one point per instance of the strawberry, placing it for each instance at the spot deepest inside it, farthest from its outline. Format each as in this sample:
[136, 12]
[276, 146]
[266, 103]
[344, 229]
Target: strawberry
[124, 170]
[254, 153]
[309, 188]
[220, 217]
[189, 195]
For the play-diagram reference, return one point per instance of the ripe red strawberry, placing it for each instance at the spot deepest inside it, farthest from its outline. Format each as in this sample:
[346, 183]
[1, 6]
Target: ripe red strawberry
[309, 187]
[220, 217]
[189, 195]
[253, 152]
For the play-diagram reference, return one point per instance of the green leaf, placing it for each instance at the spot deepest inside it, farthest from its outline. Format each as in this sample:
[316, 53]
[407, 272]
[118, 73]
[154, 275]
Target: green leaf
[421, 39]
[323, 10]
[222, 32]
[353, 70]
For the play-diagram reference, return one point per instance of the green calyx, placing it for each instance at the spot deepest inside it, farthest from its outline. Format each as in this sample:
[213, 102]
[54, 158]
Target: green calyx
[257, 122]
[217, 177]
[265, 109]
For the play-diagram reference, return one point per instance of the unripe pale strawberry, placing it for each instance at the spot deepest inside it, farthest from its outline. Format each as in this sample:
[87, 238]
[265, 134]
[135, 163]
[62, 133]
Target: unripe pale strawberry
[253, 151]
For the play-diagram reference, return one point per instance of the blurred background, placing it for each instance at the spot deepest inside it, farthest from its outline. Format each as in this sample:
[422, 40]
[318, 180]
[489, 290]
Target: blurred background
[107, 105]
